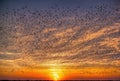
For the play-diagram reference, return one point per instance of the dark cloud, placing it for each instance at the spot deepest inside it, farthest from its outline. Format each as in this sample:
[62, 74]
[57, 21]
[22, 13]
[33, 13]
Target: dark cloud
[9, 56]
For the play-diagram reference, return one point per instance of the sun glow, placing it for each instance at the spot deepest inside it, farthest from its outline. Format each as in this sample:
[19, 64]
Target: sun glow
[56, 76]
[55, 72]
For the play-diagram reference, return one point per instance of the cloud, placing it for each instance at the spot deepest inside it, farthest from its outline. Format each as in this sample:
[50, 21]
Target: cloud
[44, 43]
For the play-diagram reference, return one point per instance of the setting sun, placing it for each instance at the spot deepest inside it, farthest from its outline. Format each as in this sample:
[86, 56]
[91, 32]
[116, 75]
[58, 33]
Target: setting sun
[56, 74]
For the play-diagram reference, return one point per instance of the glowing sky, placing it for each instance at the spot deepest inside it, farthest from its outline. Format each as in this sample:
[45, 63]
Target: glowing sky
[60, 39]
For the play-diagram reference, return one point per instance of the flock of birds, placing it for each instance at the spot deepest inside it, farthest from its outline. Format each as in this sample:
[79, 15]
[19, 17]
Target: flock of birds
[16, 24]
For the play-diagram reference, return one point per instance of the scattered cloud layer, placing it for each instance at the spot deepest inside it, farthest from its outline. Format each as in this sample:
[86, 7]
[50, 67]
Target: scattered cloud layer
[43, 39]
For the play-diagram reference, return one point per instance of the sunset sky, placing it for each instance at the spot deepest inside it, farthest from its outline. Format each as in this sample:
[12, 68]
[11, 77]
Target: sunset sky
[59, 39]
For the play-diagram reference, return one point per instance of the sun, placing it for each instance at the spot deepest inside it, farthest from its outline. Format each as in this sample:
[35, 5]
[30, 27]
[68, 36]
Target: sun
[55, 76]
[55, 72]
